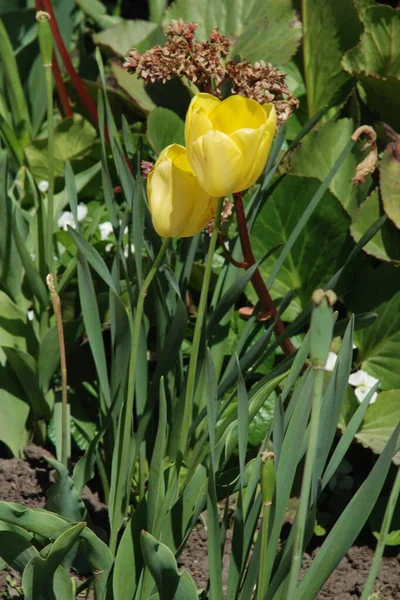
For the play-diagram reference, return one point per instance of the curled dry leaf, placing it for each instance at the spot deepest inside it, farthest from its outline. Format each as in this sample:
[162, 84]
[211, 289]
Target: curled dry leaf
[368, 165]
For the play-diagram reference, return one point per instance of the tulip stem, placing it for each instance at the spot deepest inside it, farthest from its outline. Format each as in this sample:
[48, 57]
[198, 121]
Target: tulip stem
[267, 304]
[191, 378]
[228, 255]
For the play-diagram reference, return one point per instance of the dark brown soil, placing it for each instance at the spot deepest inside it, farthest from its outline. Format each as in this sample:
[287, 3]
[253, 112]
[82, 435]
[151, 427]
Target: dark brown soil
[346, 583]
[25, 482]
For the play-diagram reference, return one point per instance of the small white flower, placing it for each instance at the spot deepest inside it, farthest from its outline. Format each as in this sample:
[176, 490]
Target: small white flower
[30, 314]
[363, 383]
[67, 218]
[43, 186]
[109, 247]
[331, 361]
[106, 229]
[361, 391]
[82, 211]
[126, 250]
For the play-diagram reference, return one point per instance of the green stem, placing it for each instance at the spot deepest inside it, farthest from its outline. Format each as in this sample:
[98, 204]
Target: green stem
[122, 459]
[262, 580]
[191, 380]
[307, 480]
[268, 485]
[50, 193]
[46, 51]
[387, 519]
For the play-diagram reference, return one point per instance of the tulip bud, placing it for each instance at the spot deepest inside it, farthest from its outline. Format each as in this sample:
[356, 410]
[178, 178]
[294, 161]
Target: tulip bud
[179, 206]
[228, 142]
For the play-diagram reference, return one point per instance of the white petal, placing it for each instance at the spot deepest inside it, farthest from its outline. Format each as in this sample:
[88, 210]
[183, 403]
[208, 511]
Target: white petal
[331, 361]
[43, 186]
[362, 378]
[66, 218]
[82, 211]
[361, 391]
[126, 250]
[30, 314]
[106, 229]
[109, 247]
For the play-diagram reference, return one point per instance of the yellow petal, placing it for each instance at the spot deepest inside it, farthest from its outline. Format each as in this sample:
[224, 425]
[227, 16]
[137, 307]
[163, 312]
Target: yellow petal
[179, 206]
[216, 160]
[270, 114]
[237, 112]
[197, 121]
[254, 154]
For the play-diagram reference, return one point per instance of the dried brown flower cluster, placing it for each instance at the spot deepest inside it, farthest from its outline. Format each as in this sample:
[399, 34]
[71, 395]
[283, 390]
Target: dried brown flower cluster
[204, 64]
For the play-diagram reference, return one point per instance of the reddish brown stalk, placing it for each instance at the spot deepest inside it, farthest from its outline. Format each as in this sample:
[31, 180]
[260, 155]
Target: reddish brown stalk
[267, 304]
[61, 89]
[75, 79]
[228, 255]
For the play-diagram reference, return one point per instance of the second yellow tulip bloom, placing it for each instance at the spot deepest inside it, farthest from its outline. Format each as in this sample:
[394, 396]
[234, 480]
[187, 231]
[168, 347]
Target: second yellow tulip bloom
[179, 206]
[228, 142]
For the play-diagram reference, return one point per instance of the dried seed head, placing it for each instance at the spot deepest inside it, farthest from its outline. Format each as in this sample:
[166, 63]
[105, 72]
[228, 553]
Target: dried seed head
[204, 64]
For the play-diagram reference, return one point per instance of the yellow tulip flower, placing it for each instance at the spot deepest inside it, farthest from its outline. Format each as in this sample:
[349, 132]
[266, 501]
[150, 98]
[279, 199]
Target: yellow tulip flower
[179, 206]
[228, 142]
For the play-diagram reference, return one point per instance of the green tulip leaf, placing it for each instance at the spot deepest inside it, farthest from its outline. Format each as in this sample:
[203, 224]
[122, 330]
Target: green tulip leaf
[62, 497]
[262, 421]
[379, 422]
[15, 329]
[44, 577]
[379, 345]
[13, 423]
[317, 153]
[375, 62]
[160, 561]
[390, 184]
[319, 250]
[164, 127]
[263, 29]
[329, 30]
[385, 245]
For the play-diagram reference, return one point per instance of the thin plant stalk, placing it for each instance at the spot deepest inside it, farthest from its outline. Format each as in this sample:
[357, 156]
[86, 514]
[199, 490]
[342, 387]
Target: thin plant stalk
[266, 302]
[191, 378]
[268, 484]
[55, 299]
[121, 467]
[387, 519]
[46, 50]
[304, 502]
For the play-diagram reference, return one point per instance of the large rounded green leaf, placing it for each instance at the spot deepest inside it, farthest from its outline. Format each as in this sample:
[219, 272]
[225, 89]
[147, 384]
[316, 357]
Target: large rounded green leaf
[379, 345]
[375, 62]
[390, 183]
[330, 28]
[379, 422]
[317, 153]
[263, 29]
[318, 252]
[385, 245]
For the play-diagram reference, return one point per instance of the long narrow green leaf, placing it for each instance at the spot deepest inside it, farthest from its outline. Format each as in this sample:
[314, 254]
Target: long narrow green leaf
[91, 319]
[156, 484]
[214, 537]
[93, 258]
[347, 437]
[32, 274]
[349, 524]
[18, 105]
